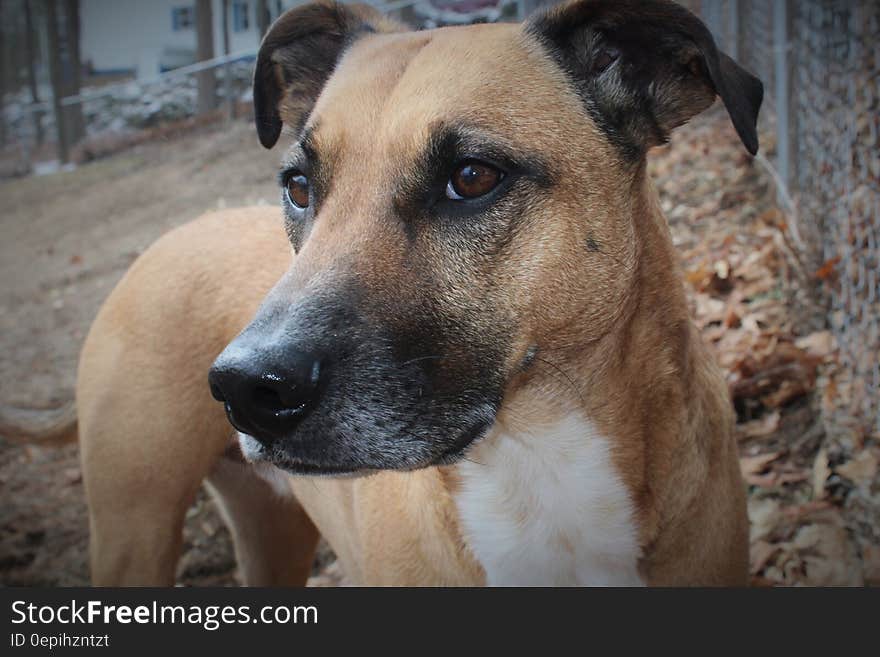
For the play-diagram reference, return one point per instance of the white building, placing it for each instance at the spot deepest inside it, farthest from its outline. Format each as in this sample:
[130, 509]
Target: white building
[147, 37]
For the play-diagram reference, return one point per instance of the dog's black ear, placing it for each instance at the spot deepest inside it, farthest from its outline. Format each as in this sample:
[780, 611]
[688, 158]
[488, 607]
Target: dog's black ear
[297, 56]
[644, 67]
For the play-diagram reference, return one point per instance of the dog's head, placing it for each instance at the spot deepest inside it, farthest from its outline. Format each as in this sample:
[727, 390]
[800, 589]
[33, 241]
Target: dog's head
[460, 202]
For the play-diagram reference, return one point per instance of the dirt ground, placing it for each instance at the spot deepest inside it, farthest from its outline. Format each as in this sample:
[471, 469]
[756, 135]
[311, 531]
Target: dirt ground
[68, 237]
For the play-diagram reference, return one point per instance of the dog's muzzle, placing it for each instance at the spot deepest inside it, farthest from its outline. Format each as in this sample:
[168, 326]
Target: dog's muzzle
[319, 385]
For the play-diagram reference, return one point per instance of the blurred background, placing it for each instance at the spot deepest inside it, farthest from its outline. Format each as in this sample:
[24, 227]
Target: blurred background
[122, 118]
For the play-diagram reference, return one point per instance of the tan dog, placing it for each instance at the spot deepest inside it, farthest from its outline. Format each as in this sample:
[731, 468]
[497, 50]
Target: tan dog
[485, 315]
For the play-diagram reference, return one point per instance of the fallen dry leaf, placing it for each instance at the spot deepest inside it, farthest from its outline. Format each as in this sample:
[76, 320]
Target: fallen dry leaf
[732, 319]
[765, 515]
[828, 556]
[760, 554]
[860, 470]
[709, 309]
[799, 511]
[773, 479]
[698, 277]
[827, 270]
[751, 465]
[765, 426]
[788, 391]
[820, 343]
[821, 472]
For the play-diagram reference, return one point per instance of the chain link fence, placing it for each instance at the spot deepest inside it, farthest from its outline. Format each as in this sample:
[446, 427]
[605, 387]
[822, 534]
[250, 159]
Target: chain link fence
[121, 114]
[820, 64]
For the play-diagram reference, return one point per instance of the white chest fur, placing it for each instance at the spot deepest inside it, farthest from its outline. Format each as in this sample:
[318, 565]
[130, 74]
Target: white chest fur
[548, 508]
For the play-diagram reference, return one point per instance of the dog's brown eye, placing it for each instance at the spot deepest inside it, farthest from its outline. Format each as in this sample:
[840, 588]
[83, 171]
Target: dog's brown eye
[298, 190]
[472, 179]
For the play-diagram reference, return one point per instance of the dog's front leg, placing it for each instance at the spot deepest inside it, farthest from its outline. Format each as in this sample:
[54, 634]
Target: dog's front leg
[275, 540]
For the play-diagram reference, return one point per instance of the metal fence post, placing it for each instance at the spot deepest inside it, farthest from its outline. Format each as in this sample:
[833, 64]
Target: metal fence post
[733, 29]
[781, 88]
[709, 10]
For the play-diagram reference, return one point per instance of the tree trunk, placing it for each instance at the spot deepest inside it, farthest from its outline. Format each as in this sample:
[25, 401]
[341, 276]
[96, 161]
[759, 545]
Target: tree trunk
[31, 56]
[55, 78]
[64, 73]
[227, 69]
[2, 82]
[207, 100]
[262, 9]
[73, 72]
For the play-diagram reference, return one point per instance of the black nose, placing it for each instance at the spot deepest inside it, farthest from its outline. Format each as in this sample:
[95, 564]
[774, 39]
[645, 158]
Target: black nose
[266, 395]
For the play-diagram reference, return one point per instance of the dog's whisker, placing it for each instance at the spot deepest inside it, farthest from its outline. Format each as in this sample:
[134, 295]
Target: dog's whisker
[565, 375]
[415, 360]
[626, 267]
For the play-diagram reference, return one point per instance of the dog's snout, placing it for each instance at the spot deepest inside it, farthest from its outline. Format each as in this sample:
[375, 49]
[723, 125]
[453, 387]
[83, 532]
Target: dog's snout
[266, 398]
